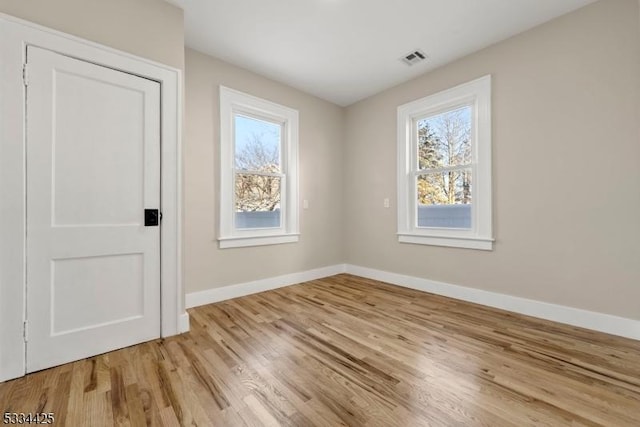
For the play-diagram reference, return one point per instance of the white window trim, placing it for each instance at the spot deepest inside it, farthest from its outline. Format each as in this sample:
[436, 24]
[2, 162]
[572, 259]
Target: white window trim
[476, 93]
[231, 103]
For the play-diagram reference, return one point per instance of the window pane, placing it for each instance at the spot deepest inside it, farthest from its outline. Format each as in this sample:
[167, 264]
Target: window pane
[445, 139]
[257, 201]
[257, 144]
[444, 199]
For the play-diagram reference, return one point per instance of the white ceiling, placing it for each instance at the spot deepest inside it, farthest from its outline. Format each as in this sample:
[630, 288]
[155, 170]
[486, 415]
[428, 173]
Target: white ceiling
[346, 50]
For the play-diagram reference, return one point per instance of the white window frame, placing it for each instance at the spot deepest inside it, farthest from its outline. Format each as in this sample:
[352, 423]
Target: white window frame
[476, 94]
[232, 103]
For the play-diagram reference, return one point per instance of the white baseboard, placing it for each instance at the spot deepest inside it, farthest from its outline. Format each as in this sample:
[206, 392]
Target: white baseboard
[209, 296]
[607, 323]
[183, 323]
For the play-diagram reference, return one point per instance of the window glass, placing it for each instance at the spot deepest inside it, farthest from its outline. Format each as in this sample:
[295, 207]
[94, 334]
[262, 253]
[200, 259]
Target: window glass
[257, 144]
[444, 199]
[257, 199]
[445, 139]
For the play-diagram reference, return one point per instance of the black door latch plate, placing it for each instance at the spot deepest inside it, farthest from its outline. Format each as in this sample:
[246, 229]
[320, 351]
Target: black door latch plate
[151, 217]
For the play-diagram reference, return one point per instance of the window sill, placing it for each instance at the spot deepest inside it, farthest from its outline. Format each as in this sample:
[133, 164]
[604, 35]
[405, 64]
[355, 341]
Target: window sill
[479, 243]
[241, 242]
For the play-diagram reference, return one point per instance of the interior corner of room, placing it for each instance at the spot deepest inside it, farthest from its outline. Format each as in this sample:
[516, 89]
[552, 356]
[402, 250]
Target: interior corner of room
[564, 94]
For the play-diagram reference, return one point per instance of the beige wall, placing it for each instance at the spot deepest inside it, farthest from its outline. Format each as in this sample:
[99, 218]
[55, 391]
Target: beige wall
[152, 29]
[321, 132]
[566, 176]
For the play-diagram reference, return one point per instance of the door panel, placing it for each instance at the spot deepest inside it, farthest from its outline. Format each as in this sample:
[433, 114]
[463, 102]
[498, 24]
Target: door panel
[93, 166]
[85, 298]
[118, 195]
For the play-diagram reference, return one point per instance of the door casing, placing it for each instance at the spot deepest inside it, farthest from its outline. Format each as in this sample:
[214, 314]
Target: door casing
[15, 36]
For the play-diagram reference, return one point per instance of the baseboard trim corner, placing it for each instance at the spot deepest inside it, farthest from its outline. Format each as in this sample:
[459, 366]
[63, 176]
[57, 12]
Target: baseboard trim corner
[195, 299]
[183, 323]
[614, 325]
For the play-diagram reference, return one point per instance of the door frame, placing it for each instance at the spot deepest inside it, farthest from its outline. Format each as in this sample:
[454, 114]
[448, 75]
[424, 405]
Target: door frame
[15, 36]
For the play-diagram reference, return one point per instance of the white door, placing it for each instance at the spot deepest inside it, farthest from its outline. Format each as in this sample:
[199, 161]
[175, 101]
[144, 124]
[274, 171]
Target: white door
[93, 167]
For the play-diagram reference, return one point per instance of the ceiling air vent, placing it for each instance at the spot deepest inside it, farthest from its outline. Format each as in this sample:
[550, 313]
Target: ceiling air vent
[414, 57]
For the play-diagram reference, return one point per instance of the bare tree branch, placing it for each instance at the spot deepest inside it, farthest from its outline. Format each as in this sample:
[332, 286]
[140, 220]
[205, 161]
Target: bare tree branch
[445, 140]
[254, 192]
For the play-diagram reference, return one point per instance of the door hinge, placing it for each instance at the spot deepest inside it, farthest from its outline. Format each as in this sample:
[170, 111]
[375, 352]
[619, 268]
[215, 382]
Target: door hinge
[25, 332]
[25, 74]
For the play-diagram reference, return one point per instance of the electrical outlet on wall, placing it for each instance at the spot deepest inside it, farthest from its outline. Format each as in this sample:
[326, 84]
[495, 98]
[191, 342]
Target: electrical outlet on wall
[385, 203]
[305, 204]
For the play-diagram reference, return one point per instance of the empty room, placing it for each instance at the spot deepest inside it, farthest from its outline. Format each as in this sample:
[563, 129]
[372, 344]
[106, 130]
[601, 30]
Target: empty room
[320, 212]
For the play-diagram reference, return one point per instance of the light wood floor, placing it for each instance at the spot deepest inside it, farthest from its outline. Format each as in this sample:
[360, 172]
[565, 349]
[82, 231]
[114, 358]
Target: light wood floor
[348, 351]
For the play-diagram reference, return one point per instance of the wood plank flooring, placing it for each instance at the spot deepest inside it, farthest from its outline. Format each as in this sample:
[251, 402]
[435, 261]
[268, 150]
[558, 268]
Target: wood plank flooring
[348, 351]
